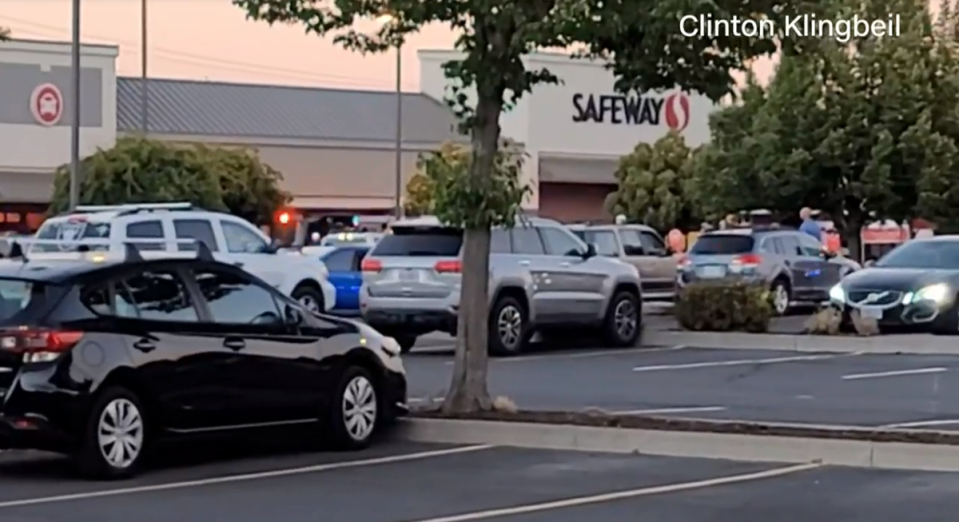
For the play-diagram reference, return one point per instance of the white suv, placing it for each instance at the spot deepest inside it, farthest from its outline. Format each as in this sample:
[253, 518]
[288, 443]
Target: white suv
[231, 239]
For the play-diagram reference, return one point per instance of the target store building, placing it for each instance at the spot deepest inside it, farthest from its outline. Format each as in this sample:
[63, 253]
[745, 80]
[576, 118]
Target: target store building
[575, 132]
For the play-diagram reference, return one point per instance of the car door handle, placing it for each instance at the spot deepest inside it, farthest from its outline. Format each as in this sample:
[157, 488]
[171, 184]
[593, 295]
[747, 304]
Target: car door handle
[234, 343]
[524, 263]
[145, 345]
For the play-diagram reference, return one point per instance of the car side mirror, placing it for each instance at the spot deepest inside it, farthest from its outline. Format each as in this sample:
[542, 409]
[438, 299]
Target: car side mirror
[590, 251]
[292, 316]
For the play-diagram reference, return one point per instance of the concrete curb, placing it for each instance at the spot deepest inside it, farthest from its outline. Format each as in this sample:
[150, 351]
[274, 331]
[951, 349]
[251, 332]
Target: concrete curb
[753, 448]
[919, 344]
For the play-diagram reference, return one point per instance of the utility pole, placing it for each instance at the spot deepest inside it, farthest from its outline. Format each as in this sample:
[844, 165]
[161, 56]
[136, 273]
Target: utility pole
[75, 110]
[144, 86]
[399, 131]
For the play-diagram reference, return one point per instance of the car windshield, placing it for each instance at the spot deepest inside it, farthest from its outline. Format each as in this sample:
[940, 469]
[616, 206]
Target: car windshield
[923, 254]
[420, 242]
[67, 230]
[722, 244]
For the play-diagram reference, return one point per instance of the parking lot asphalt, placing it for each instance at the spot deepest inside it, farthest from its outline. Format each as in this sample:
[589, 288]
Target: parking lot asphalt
[430, 483]
[894, 391]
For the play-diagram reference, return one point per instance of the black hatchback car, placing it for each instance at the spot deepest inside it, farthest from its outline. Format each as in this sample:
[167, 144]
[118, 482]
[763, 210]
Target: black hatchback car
[101, 358]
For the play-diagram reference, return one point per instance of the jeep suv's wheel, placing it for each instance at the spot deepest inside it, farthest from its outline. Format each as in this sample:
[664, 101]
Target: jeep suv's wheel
[355, 413]
[115, 436]
[624, 320]
[508, 327]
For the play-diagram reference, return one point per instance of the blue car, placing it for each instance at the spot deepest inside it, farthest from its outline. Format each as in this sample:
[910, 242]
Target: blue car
[343, 263]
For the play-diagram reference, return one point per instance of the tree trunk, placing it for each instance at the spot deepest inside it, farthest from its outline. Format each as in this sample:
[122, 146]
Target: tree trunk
[468, 391]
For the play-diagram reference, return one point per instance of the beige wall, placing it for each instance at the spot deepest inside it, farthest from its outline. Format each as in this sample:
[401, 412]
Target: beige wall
[330, 175]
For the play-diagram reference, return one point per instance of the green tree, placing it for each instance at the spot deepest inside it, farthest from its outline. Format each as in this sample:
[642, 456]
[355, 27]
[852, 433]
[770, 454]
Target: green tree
[147, 171]
[419, 194]
[651, 184]
[640, 37]
[861, 130]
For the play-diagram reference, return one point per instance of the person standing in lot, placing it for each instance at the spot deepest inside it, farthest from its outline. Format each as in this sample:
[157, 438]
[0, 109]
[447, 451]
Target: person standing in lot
[809, 225]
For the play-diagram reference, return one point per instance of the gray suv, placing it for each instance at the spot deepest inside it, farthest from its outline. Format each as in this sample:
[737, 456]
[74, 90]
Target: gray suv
[798, 270]
[640, 246]
[542, 278]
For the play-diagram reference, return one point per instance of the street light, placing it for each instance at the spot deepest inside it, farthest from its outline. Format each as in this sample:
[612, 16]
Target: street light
[398, 144]
[75, 109]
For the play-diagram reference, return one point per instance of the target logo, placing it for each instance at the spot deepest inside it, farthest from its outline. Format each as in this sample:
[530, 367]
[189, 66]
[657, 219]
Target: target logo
[677, 111]
[46, 104]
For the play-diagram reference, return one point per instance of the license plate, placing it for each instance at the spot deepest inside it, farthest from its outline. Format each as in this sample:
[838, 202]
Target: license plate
[409, 275]
[712, 271]
[871, 312]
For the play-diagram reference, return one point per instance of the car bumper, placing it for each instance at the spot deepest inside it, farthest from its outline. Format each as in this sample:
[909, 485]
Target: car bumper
[915, 314]
[410, 316]
[329, 295]
[394, 394]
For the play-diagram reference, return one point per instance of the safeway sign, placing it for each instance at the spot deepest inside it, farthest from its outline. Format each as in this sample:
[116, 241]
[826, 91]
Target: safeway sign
[46, 104]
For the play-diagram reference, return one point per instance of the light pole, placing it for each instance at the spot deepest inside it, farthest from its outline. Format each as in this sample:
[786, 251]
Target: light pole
[144, 88]
[398, 137]
[75, 109]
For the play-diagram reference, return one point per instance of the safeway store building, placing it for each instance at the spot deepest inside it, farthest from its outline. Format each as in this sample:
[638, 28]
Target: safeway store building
[334, 147]
[575, 132]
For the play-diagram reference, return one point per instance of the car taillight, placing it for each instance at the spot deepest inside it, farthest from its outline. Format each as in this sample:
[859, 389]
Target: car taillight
[38, 345]
[371, 265]
[448, 267]
[748, 260]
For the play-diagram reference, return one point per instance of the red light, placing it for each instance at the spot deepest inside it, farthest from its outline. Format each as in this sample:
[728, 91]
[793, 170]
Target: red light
[749, 260]
[448, 267]
[371, 265]
[35, 341]
[284, 218]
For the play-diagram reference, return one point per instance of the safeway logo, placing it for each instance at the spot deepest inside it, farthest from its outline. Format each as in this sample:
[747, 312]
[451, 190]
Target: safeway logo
[677, 111]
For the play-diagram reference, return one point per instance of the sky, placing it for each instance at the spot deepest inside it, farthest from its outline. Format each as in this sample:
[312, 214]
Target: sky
[211, 39]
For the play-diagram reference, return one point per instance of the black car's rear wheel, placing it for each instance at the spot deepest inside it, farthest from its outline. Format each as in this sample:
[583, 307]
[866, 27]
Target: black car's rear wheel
[115, 436]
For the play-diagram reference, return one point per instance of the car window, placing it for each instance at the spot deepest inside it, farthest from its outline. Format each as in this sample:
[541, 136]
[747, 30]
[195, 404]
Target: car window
[809, 245]
[146, 230]
[652, 243]
[559, 242]
[69, 230]
[791, 246]
[155, 296]
[16, 295]
[769, 245]
[604, 241]
[499, 242]
[420, 242]
[241, 240]
[526, 240]
[340, 260]
[632, 242]
[235, 299]
[198, 229]
[722, 244]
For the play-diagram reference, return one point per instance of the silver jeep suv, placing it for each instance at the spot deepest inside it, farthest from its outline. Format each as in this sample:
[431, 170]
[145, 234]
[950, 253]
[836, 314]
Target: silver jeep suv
[542, 278]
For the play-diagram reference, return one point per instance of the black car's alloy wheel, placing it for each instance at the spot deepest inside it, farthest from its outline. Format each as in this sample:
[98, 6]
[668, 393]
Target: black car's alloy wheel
[355, 413]
[116, 436]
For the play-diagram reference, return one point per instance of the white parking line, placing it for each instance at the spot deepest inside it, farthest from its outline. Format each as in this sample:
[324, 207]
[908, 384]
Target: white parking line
[664, 411]
[894, 373]
[922, 424]
[245, 477]
[420, 400]
[620, 495]
[741, 362]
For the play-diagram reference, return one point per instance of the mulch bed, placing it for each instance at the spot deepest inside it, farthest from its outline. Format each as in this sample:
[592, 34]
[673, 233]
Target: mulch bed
[609, 420]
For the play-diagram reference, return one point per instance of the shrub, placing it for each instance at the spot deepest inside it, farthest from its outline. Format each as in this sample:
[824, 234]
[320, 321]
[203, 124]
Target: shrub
[827, 321]
[724, 306]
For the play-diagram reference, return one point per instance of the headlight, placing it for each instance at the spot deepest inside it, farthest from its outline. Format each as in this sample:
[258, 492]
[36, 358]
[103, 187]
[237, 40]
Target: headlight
[938, 293]
[837, 294]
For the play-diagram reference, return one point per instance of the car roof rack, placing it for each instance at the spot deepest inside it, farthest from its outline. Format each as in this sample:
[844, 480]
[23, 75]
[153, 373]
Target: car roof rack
[134, 208]
[99, 250]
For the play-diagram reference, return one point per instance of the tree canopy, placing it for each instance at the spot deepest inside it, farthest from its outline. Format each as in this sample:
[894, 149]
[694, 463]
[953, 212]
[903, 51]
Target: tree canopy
[639, 39]
[861, 131]
[148, 171]
[652, 184]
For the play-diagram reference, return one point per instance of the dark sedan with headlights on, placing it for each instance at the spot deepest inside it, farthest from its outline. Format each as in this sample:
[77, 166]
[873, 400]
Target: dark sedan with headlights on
[914, 285]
